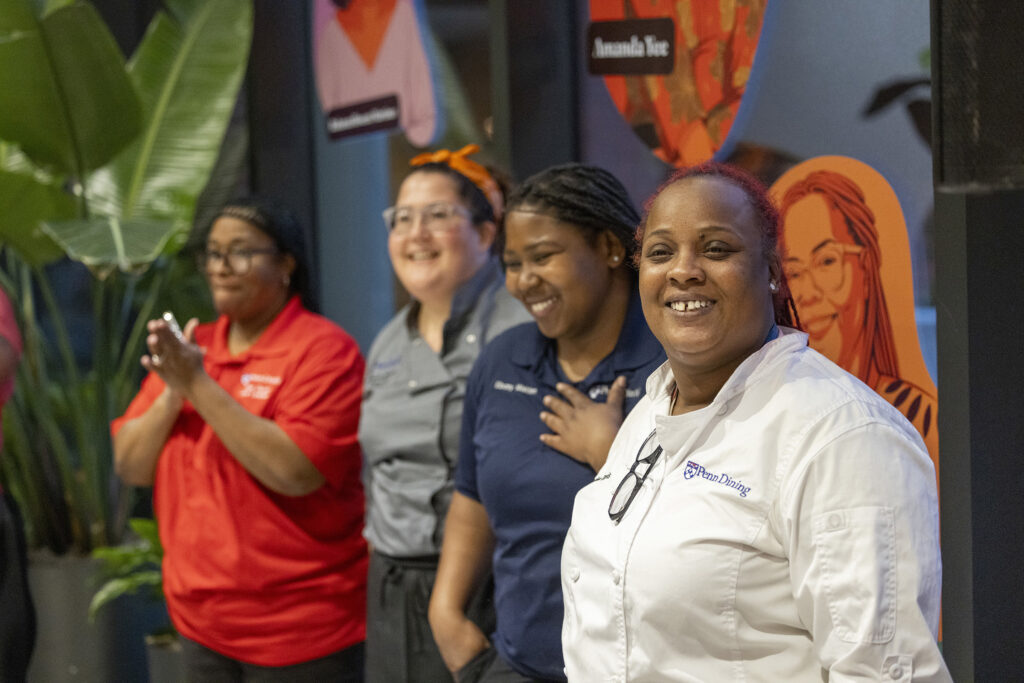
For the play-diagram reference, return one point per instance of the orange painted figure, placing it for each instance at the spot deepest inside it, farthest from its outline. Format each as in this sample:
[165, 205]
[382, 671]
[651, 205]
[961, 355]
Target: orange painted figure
[846, 256]
[691, 109]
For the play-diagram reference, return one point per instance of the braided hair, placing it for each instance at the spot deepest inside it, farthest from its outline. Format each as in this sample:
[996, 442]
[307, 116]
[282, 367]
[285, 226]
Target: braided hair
[588, 197]
[765, 213]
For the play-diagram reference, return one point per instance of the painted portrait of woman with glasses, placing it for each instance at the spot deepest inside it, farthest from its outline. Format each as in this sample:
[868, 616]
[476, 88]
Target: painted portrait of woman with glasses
[847, 261]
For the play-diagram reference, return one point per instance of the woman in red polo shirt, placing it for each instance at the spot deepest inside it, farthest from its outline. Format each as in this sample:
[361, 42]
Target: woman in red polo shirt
[246, 429]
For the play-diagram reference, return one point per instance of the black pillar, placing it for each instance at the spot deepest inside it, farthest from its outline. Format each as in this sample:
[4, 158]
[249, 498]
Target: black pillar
[979, 214]
[127, 20]
[533, 63]
[280, 111]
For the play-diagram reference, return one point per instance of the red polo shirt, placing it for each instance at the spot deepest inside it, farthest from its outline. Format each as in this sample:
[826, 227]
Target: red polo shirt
[258, 576]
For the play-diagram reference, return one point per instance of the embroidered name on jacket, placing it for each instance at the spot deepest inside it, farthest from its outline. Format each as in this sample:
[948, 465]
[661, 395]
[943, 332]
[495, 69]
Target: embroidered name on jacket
[258, 386]
[697, 470]
[509, 386]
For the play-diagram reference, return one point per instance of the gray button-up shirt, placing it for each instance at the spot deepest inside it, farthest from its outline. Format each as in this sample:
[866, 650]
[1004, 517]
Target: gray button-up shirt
[412, 413]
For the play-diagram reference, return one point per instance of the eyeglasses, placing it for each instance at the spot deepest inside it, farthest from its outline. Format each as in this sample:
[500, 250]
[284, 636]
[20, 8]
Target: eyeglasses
[436, 217]
[826, 267]
[624, 492]
[239, 259]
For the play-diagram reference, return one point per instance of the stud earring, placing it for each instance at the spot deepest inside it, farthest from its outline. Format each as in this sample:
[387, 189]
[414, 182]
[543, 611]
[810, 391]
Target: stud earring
[615, 259]
[773, 286]
[286, 280]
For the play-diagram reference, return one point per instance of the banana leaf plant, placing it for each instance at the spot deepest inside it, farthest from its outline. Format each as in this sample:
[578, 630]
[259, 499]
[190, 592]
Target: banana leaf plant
[131, 568]
[102, 162]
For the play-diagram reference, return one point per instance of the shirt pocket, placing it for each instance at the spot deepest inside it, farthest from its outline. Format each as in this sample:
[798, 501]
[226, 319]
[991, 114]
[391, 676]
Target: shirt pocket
[857, 551]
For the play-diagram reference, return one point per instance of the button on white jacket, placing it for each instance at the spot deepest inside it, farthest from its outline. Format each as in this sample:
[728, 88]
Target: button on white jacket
[789, 532]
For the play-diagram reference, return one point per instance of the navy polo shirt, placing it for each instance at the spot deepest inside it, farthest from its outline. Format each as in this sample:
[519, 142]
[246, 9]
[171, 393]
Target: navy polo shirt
[528, 488]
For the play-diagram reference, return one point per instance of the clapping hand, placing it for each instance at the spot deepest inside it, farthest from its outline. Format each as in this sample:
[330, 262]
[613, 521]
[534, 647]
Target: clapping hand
[173, 356]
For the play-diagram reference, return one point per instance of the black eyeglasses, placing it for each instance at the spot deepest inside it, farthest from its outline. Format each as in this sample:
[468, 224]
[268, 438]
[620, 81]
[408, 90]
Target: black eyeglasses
[624, 494]
[239, 259]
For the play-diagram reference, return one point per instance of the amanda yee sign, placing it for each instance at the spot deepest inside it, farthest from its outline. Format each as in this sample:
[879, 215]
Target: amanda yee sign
[631, 46]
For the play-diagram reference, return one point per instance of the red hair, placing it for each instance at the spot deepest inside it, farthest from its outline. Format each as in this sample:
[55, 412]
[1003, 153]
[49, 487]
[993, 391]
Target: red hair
[765, 213]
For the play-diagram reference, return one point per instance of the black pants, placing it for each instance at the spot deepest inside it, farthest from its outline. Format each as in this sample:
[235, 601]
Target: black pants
[17, 615]
[203, 665]
[400, 646]
[490, 667]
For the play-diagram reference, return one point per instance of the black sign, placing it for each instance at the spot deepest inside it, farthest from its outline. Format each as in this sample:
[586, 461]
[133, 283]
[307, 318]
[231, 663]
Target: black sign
[632, 46]
[363, 117]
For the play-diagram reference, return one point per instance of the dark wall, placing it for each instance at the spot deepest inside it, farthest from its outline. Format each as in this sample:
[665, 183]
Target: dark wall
[279, 112]
[127, 19]
[979, 205]
[533, 57]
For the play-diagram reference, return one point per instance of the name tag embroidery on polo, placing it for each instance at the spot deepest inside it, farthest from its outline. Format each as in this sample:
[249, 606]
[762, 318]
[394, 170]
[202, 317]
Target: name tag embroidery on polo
[258, 386]
[509, 386]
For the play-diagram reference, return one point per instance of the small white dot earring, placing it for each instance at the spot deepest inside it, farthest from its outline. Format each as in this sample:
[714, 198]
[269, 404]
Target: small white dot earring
[615, 259]
[773, 286]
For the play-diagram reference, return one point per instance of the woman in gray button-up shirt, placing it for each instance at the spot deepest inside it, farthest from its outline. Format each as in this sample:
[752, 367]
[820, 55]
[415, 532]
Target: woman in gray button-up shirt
[440, 236]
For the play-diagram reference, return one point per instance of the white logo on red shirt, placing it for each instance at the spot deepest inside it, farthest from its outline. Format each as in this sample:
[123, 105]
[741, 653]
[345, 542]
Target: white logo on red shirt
[258, 386]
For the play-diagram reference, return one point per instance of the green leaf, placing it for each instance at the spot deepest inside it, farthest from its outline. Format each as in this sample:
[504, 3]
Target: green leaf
[44, 7]
[58, 456]
[14, 160]
[181, 10]
[115, 588]
[124, 560]
[187, 75]
[148, 531]
[67, 98]
[24, 204]
[104, 244]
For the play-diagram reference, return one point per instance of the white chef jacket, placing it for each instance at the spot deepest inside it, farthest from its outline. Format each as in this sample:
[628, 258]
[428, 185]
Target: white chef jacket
[788, 532]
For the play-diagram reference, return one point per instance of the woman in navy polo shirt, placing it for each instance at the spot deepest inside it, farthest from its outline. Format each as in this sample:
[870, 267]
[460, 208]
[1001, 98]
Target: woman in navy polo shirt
[543, 403]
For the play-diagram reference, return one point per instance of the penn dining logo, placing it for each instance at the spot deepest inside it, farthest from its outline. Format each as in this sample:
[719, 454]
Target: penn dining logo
[694, 469]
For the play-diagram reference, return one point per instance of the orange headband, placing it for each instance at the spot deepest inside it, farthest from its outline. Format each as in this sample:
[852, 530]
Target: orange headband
[476, 173]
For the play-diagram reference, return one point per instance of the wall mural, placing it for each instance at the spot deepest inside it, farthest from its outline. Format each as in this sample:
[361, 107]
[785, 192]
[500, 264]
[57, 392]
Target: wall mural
[685, 113]
[372, 69]
[847, 258]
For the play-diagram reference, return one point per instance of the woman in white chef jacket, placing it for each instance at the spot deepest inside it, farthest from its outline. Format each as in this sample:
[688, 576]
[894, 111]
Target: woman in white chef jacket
[762, 515]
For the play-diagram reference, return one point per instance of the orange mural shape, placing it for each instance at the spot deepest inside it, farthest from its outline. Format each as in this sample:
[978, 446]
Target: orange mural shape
[846, 257]
[686, 115]
[365, 24]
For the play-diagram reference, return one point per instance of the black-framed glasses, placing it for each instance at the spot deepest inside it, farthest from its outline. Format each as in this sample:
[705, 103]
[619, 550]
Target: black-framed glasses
[436, 217]
[630, 485]
[239, 259]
